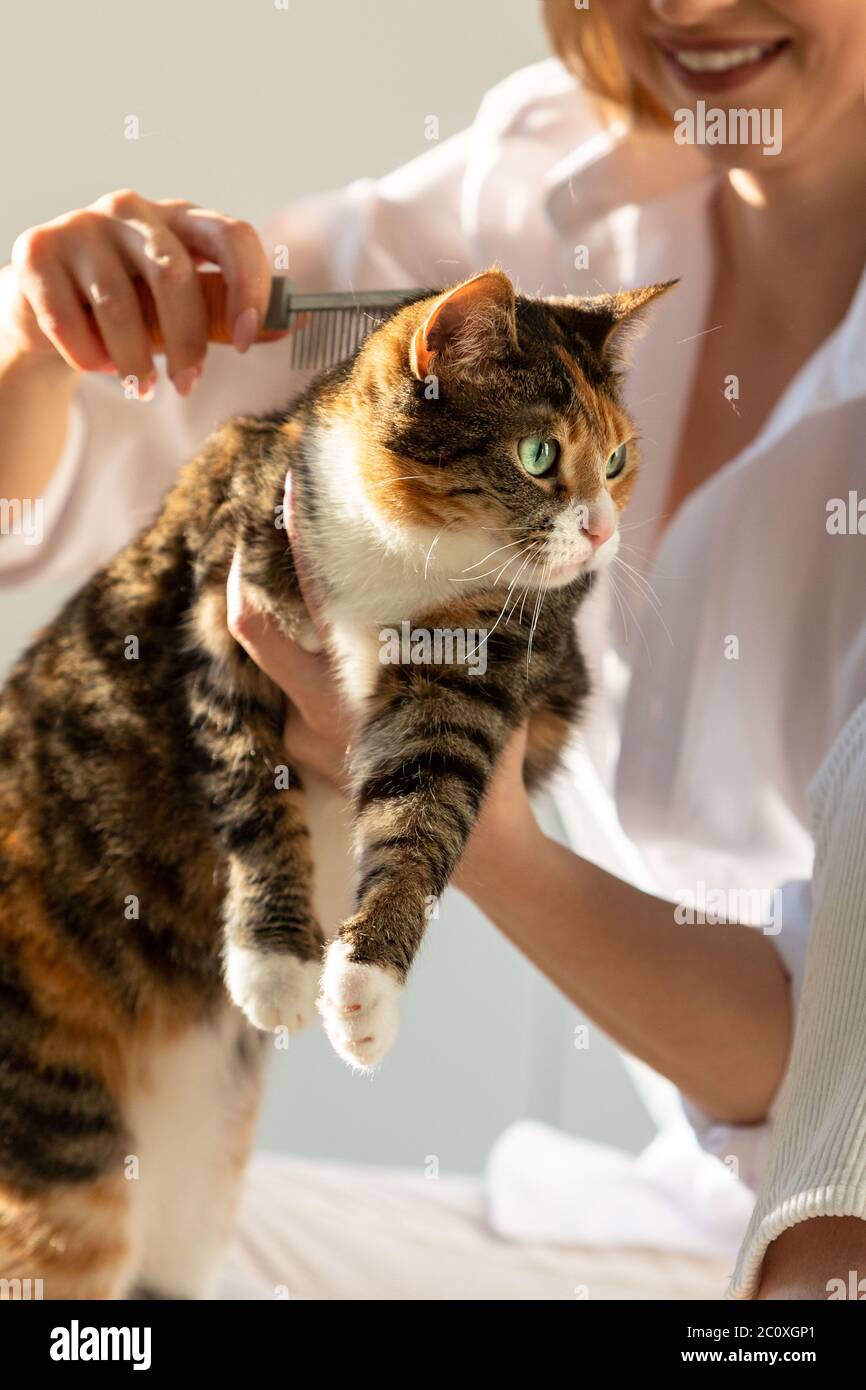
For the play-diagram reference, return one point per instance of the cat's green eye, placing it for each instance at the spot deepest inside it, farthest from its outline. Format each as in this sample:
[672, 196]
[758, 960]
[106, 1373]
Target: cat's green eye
[616, 462]
[538, 454]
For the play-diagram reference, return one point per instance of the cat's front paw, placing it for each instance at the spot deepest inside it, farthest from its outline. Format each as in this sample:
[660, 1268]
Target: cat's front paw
[359, 1007]
[273, 990]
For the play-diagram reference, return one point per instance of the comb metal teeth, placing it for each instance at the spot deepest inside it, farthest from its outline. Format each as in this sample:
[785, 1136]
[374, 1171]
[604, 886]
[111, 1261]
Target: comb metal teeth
[321, 337]
[328, 327]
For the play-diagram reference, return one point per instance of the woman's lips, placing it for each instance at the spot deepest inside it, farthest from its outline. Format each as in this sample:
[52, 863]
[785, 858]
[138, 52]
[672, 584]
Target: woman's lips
[720, 65]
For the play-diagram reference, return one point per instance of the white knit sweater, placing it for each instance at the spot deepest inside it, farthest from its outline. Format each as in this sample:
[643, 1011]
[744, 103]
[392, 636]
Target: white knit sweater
[817, 1160]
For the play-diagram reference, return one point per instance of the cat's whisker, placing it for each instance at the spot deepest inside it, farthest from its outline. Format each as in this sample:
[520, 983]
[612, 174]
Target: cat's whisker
[509, 561]
[638, 625]
[537, 611]
[634, 525]
[430, 552]
[622, 599]
[525, 596]
[497, 569]
[633, 550]
[647, 595]
[490, 633]
[645, 560]
[523, 592]
[643, 583]
[615, 592]
[643, 598]
[507, 546]
[513, 582]
[513, 585]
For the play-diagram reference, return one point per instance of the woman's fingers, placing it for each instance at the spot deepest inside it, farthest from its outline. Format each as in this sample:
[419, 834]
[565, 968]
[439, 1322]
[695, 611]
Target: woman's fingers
[104, 276]
[49, 289]
[327, 756]
[299, 674]
[77, 281]
[235, 247]
[306, 677]
[161, 260]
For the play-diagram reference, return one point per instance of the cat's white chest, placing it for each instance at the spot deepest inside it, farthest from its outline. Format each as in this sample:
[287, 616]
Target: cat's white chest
[376, 578]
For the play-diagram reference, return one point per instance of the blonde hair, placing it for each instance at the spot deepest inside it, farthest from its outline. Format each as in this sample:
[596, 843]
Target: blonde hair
[584, 40]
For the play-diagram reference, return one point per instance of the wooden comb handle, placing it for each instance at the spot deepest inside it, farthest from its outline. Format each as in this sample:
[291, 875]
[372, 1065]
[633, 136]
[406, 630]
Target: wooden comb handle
[215, 293]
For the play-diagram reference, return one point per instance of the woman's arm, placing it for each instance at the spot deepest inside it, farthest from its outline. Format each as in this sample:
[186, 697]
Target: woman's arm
[705, 1005]
[814, 1260]
[708, 1006]
[35, 393]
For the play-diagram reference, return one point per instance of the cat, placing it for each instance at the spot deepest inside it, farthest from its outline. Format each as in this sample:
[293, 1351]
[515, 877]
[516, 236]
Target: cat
[470, 460]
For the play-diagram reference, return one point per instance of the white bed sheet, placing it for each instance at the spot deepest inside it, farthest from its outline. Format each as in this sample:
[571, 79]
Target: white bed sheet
[321, 1230]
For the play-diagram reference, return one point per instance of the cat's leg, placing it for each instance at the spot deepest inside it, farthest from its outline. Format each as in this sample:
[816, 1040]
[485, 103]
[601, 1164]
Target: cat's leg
[66, 1210]
[192, 1107]
[272, 943]
[553, 717]
[70, 1241]
[421, 768]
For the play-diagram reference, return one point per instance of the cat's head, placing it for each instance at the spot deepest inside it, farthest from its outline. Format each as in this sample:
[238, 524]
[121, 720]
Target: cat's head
[482, 419]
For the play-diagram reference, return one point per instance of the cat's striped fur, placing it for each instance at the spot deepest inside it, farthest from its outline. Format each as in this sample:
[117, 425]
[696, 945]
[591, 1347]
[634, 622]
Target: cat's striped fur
[150, 850]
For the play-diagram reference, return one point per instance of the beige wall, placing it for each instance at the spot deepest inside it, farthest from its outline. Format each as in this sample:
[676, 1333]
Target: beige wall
[241, 104]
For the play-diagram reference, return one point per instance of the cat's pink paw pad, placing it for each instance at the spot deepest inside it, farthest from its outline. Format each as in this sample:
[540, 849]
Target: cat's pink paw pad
[359, 1007]
[272, 989]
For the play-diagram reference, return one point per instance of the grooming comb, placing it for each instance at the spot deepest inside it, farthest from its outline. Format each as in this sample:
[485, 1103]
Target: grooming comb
[324, 327]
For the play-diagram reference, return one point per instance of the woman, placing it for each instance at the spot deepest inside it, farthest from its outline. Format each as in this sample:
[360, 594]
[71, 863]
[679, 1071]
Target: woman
[749, 392]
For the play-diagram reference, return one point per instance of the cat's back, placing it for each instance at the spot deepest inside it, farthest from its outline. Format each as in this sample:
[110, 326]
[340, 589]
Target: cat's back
[105, 850]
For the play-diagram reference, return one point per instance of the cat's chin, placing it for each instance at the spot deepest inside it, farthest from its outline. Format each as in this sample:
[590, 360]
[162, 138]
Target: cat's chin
[560, 575]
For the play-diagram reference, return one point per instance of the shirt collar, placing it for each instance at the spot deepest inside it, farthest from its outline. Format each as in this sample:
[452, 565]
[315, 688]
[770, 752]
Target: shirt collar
[614, 165]
[620, 166]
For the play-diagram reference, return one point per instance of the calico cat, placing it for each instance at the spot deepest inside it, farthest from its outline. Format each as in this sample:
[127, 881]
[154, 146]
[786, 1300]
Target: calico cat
[469, 461]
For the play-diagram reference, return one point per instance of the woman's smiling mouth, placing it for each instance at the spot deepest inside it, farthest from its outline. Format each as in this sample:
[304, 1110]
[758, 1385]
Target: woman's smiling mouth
[716, 65]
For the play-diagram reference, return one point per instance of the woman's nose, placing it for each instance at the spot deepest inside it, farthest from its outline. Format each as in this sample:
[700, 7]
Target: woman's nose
[688, 12]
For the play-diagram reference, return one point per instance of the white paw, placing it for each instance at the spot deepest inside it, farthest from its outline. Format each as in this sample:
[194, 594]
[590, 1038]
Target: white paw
[359, 1007]
[273, 990]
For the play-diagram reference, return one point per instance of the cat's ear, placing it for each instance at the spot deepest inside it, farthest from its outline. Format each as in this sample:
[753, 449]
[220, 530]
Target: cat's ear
[610, 322]
[467, 326]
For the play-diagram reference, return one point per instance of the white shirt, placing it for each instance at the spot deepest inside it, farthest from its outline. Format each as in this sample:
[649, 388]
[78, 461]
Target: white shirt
[715, 709]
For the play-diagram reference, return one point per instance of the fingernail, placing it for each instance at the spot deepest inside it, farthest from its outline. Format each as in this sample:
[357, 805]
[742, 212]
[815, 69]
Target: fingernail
[246, 329]
[184, 381]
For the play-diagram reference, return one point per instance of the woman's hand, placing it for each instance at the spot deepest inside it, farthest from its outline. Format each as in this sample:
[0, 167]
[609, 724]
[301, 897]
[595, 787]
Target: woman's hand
[318, 729]
[89, 258]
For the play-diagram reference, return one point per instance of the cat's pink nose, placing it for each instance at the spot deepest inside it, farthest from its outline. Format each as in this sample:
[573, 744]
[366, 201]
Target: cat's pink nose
[599, 521]
[598, 530]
